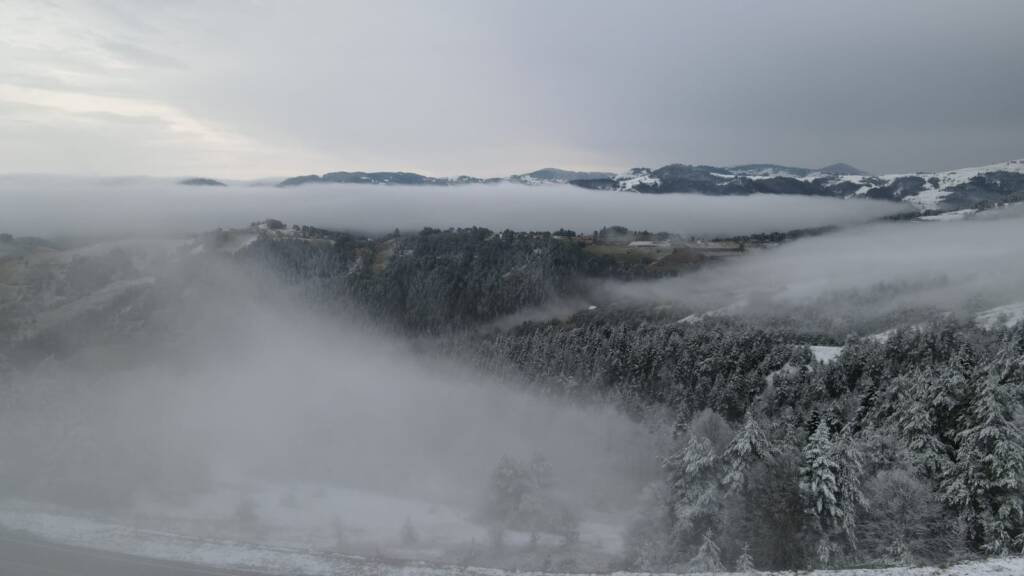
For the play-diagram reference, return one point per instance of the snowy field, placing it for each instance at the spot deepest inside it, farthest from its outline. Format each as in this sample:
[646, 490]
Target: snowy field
[312, 527]
[338, 519]
[162, 545]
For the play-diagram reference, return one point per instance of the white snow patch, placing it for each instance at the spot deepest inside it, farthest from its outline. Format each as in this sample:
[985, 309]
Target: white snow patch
[826, 354]
[733, 308]
[836, 178]
[1008, 316]
[242, 242]
[950, 216]
[765, 172]
[928, 199]
[882, 337]
[631, 183]
[964, 175]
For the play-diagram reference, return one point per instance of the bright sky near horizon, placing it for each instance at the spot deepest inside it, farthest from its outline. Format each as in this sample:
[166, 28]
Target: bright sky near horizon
[255, 88]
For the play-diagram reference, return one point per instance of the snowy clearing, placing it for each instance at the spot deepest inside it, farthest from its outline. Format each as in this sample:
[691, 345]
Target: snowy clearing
[285, 528]
[826, 354]
[109, 537]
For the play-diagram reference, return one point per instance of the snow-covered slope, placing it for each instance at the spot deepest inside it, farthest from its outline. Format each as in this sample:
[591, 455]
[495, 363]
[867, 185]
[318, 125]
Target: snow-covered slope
[1008, 316]
[226, 554]
[962, 189]
[939, 186]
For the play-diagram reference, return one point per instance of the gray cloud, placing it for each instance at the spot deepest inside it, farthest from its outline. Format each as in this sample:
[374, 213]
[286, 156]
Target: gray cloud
[510, 86]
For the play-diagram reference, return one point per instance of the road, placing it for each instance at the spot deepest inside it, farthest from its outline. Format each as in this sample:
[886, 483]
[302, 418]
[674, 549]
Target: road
[23, 556]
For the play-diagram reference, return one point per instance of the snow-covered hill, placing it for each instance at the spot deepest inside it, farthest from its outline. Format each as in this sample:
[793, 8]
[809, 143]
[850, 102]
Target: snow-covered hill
[965, 188]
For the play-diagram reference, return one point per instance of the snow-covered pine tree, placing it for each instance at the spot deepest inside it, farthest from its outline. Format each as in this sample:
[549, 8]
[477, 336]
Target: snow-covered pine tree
[694, 481]
[748, 446]
[708, 558]
[818, 479]
[948, 392]
[745, 562]
[824, 550]
[849, 460]
[820, 489]
[1009, 362]
[917, 424]
[986, 483]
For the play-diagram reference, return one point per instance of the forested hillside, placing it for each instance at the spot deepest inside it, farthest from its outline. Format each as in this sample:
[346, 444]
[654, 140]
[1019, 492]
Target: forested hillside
[439, 280]
[907, 450]
[903, 448]
[840, 430]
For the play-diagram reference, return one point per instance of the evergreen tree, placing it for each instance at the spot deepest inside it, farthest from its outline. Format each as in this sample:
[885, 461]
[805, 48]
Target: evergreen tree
[987, 480]
[745, 562]
[830, 487]
[694, 480]
[708, 558]
[818, 480]
[748, 446]
[917, 422]
[849, 461]
[510, 483]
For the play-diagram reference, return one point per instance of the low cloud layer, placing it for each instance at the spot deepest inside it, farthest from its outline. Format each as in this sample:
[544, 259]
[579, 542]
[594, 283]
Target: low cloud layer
[867, 271]
[47, 206]
[233, 381]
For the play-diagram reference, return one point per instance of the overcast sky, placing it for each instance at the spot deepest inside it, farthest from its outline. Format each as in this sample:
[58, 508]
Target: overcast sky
[249, 89]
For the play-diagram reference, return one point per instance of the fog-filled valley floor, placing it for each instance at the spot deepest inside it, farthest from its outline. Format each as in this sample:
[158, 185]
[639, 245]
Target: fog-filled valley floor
[537, 378]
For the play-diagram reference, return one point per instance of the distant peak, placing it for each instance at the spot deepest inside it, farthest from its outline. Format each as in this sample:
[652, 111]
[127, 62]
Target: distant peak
[559, 175]
[201, 182]
[843, 169]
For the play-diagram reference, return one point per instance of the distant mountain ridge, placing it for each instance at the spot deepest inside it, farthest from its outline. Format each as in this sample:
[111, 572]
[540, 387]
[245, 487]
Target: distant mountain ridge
[941, 191]
[403, 178]
[542, 176]
[201, 182]
[936, 191]
[549, 175]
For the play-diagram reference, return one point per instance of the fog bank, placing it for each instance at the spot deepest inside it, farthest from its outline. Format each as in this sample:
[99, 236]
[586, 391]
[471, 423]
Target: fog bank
[232, 383]
[47, 206]
[960, 266]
